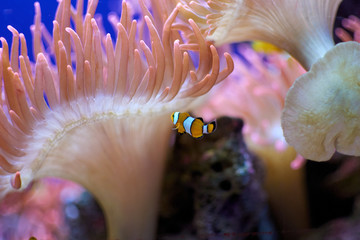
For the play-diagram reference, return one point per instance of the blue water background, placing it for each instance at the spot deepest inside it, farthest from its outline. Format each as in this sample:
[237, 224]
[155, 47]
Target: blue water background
[20, 14]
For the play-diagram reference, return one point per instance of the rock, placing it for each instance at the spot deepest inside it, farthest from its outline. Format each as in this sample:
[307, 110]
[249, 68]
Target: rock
[213, 189]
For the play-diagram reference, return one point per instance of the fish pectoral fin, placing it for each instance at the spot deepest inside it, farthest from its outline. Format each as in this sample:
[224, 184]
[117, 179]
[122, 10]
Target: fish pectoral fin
[181, 130]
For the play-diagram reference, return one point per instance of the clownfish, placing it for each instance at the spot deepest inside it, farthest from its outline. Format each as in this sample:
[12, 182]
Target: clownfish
[194, 126]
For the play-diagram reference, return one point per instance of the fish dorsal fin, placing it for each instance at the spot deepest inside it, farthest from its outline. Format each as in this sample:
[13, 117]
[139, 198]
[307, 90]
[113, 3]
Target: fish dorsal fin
[200, 119]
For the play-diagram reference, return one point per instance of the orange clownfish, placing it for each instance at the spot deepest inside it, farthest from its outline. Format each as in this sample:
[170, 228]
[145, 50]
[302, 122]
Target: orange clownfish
[194, 126]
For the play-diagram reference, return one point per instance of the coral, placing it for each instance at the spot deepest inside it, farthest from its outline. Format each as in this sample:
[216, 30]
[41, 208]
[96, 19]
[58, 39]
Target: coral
[38, 210]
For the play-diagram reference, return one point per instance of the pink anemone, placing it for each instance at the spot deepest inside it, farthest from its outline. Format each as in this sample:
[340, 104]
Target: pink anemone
[256, 93]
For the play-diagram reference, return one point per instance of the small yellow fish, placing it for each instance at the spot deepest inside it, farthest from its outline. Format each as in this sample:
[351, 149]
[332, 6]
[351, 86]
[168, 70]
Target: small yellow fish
[264, 47]
[32, 238]
[194, 126]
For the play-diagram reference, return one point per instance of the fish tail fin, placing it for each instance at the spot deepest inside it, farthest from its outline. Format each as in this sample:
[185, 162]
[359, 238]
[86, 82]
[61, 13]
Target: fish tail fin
[211, 126]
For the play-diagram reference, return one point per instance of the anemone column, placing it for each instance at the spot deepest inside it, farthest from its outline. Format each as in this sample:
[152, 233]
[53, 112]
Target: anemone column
[124, 177]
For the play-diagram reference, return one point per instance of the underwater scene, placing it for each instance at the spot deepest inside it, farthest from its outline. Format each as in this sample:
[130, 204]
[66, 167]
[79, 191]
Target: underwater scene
[180, 120]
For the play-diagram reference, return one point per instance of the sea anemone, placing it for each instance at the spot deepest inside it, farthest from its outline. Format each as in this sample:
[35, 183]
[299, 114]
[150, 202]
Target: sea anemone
[321, 111]
[327, 119]
[256, 93]
[301, 27]
[97, 113]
